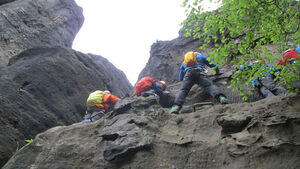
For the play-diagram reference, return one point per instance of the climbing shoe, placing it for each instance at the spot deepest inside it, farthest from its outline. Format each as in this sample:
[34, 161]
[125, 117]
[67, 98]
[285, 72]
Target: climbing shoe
[223, 100]
[175, 109]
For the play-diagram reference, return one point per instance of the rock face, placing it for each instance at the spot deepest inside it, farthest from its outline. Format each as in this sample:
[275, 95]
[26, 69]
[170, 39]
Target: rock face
[25, 24]
[164, 63]
[166, 58]
[141, 134]
[46, 87]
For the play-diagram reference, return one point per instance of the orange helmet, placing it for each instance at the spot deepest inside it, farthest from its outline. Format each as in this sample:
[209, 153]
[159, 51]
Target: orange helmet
[164, 84]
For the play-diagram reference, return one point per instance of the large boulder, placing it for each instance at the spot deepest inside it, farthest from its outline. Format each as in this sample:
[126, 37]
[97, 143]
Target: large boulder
[46, 87]
[141, 134]
[25, 24]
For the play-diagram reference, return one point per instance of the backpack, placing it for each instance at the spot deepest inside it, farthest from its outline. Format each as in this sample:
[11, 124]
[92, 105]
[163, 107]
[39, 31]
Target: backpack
[190, 59]
[95, 98]
[144, 84]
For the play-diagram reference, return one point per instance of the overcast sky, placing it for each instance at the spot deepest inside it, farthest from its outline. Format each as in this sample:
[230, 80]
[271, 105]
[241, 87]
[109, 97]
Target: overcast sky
[124, 30]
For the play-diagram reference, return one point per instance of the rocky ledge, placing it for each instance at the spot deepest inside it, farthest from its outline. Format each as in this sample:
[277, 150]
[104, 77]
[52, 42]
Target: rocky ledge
[141, 134]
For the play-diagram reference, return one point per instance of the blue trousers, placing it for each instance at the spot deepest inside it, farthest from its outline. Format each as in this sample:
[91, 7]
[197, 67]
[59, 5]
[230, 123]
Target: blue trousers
[92, 116]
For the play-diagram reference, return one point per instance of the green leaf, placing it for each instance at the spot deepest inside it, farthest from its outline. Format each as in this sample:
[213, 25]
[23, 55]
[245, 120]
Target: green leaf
[246, 28]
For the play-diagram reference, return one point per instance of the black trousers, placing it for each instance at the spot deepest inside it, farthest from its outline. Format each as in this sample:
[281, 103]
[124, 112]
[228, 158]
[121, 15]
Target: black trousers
[269, 88]
[196, 76]
[166, 99]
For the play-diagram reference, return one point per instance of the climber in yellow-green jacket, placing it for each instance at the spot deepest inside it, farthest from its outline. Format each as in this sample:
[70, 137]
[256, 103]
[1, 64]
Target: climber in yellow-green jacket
[97, 105]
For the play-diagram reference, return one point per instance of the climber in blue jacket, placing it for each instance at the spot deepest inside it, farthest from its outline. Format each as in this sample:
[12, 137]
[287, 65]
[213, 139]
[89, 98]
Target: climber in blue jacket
[266, 84]
[192, 71]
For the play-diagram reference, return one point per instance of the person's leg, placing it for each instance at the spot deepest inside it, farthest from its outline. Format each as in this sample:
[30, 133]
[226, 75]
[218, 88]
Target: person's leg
[266, 92]
[93, 113]
[186, 86]
[96, 115]
[213, 90]
[86, 118]
[166, 99]
[279, 90]
[267, 85]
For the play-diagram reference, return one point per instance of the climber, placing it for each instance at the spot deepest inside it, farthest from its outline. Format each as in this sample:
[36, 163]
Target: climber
[266, 84]
[192, 71]
[289, 58]
[98, 104]
[289, 55]
[148, 86]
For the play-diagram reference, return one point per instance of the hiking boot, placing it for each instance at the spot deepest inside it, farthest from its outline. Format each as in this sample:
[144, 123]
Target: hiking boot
[223, 100]
[175, 109]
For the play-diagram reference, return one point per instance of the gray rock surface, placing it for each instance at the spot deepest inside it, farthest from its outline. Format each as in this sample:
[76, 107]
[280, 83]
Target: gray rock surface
[164, 64]
[166, 58]
[123, 136]
[46, 87]
[149, 137]
[25, 24]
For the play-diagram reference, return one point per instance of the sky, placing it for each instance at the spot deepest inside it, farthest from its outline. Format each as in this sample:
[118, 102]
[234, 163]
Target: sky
[123, 31]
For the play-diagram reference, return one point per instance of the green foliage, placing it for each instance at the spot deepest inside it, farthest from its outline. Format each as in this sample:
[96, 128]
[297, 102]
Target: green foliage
[242, 30]
[29, 141]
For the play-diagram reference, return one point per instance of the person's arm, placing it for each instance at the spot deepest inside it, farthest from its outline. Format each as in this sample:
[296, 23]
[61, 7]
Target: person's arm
[158, 89]
[181, 73]
[203, 60]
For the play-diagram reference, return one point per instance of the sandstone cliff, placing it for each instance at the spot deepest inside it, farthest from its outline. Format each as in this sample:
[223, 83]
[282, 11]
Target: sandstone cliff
[45, 86]
[262, 134]
[43, 91]
[25, 24]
